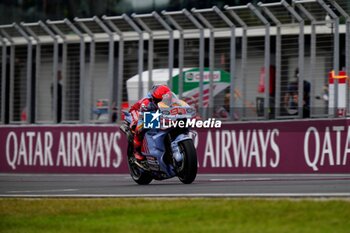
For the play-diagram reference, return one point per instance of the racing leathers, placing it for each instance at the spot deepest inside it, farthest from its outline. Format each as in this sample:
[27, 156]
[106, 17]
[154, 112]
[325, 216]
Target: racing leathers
[137, 111]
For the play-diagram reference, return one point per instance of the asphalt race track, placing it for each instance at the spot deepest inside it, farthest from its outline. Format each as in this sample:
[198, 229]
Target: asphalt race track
[51, 185]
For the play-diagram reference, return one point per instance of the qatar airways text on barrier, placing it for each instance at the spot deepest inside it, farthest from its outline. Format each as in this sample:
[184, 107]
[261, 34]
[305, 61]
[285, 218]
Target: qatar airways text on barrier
[315, 146]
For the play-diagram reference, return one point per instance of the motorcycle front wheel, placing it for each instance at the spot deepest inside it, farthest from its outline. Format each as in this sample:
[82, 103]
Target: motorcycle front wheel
[188, 169]
[137, 174]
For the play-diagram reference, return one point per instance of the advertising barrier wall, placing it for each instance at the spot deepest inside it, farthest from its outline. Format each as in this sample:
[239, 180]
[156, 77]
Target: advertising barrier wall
[310, 146]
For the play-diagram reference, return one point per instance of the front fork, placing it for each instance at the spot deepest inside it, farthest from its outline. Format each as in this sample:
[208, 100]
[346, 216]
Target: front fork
[175, 148]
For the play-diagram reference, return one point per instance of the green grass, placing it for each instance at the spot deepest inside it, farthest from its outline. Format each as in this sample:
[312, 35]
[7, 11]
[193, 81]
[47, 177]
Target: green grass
[174, 215]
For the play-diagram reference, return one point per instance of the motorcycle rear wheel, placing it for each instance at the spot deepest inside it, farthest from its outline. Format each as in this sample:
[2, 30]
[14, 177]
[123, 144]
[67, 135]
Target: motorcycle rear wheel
[137, 174]
[188, 171]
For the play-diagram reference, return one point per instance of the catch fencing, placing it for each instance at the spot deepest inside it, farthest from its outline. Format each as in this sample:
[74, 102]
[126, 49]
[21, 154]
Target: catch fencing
[251, 62]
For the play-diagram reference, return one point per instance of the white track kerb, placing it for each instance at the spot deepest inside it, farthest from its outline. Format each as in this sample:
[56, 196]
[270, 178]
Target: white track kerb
[160, 120]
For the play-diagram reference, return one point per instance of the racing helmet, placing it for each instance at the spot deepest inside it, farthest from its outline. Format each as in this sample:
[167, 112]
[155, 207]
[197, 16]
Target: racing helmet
[158, 91]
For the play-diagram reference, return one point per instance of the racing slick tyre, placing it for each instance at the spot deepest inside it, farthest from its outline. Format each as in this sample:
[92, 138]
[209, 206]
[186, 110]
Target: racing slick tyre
[139, 175]
[188, 170]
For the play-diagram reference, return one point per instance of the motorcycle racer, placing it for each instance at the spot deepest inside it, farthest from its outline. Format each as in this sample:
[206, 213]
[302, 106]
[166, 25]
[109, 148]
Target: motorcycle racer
[146, 104]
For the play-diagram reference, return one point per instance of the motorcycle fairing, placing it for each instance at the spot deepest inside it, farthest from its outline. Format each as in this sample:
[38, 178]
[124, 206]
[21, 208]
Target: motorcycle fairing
[155, 152]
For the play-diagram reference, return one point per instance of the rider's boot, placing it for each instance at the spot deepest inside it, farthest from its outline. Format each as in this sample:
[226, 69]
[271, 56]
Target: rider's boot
[140, 159]
[139, 156]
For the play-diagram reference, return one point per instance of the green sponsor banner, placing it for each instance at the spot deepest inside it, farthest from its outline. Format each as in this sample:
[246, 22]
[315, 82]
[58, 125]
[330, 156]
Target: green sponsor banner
[191, 78]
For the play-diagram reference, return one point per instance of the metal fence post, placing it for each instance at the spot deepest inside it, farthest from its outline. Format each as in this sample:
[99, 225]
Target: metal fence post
[335, 51]
[150, 58]
[37, 59]
[54, 70]
[312, 51]
[244, 47]
[211, 59]
[170, 49]
[29, 102]
[120, 75]
[64, 61]
[300, 55]
[82, 117]
[347, 43]
[278, 24]
[64, 74]
[88, 80]
[12, 76]
[110, 64]
[150, 47]
[12, 68]
[336, 34]
[120, 59]
[312, 62]
[267, 58]
[140, 51]
[201, 60]
[3, 79]
[181, 62]
[181, 52]
[347, 58]
[232, 58]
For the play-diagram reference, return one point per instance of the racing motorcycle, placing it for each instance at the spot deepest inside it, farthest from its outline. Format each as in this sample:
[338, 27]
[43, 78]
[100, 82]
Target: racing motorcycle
[168, 148]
